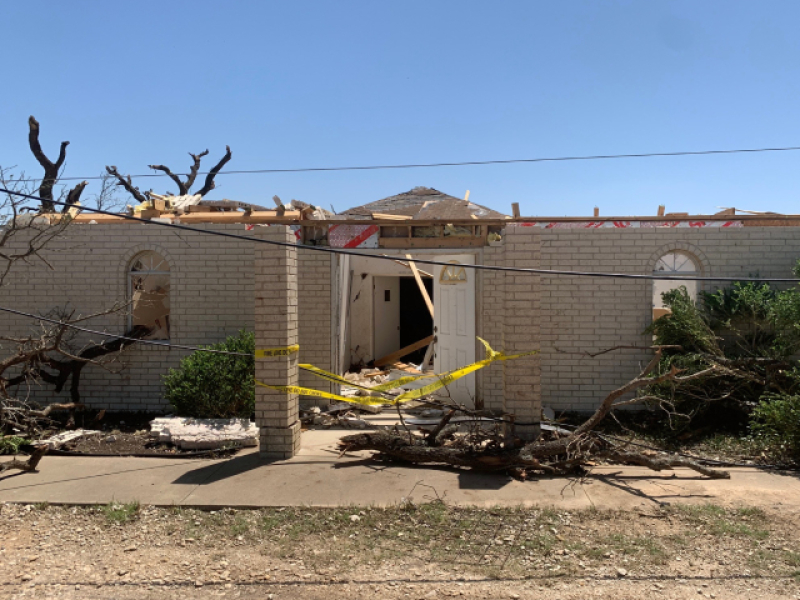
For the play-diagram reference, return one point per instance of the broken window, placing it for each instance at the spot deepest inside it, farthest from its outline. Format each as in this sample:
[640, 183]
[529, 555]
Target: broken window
[148, 280]
[673, 264]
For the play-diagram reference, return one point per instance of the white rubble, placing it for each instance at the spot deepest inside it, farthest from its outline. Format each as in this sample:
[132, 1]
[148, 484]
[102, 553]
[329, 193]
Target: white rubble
[204, 434]
[62, 438]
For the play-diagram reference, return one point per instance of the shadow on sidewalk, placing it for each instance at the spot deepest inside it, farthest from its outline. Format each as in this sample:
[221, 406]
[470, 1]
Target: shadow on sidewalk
[219, 471]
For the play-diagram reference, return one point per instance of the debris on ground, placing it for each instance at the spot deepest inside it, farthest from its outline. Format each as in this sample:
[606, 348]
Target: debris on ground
[491, 443]
[341, 418]
[65, 437]
[203, 434]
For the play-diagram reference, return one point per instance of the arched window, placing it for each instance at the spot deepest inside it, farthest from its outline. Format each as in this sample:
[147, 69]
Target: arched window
[148, 285]
[673, 264]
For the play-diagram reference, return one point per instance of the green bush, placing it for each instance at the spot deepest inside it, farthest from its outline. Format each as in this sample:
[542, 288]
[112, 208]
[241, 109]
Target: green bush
[749, 328]
[776, 424]
[11, 444]
[215, 386]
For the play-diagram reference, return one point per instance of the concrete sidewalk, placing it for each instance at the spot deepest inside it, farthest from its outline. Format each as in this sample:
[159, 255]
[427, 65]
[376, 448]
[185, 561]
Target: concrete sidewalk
[318, 477]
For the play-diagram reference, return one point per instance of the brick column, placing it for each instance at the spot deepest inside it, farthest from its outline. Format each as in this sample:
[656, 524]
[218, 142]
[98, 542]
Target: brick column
[277, 413]
[523, 377]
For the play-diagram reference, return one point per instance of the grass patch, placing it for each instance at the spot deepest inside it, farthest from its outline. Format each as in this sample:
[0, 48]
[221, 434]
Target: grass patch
[487, 542]
[720, 522]
[724, 527]
[791, 558]
[117, 514]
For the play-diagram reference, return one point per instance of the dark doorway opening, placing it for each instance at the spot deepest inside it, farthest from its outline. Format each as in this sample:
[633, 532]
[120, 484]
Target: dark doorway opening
[416, 322]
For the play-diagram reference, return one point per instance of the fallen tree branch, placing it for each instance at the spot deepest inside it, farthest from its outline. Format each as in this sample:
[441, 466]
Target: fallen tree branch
[26, 465]
[661, 463]
[481, 450]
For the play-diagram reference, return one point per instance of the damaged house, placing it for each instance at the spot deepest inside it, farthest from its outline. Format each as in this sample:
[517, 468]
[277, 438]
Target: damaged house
[355, 311]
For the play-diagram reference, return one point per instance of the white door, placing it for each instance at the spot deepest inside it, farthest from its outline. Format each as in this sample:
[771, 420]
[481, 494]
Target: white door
[454, 323]
[386, 315]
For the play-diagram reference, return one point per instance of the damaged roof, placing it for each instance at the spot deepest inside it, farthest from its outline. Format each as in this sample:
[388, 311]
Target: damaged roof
[424, 203]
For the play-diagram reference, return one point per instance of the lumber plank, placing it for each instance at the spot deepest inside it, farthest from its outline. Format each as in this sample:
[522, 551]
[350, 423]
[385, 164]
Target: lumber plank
[421, 285]
[240, 217]
[388, 217]
[395, 356]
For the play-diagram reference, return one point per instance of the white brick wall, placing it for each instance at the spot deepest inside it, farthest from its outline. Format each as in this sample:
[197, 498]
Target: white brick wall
[586, 315]
[314, 284]
[211, 297]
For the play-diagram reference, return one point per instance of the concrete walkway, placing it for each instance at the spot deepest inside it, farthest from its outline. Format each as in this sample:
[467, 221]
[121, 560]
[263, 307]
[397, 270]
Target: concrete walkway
[318, 477]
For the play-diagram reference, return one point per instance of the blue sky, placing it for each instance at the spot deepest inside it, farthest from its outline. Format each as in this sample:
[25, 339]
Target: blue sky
[307, 84]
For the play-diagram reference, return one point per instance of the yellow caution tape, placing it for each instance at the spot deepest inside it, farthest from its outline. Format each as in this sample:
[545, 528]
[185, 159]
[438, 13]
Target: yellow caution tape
[328, 376]
[265, 352]
[303, 391]
[444, 380]
[448, 378]
[383, 387]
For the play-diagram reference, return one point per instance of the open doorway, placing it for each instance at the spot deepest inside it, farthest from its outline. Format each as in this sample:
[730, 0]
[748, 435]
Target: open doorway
[401, 317]
[416, 322]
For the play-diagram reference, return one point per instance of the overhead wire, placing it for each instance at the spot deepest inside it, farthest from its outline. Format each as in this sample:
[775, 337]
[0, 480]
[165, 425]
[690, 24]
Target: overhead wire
[344, 251]
[458, 163]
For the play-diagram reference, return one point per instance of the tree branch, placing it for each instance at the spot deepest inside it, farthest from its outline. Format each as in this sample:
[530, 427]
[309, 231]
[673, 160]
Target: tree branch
[194, 169]
[209, 184]
[50, 169]
[182, 191]
[662, 463]
[26, 465]
[127, 184]
[74, 196]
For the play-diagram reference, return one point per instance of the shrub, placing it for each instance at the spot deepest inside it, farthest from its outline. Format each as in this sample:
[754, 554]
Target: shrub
[751, 328]
[11, 444]
[215, 386]
[776, 424]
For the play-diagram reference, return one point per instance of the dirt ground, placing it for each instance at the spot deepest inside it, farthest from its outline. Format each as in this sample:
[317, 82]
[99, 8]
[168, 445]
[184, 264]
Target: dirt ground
[412, 551]
[122, 434]
[139, 443]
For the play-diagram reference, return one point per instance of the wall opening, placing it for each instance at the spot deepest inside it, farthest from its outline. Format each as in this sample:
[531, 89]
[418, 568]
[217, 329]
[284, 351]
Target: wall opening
[148, 288]
[400, 317]
[416, 322]
[674, 264]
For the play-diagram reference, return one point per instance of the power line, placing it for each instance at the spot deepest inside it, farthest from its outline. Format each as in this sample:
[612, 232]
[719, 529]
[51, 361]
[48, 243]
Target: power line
[457, 164]
[344, 251]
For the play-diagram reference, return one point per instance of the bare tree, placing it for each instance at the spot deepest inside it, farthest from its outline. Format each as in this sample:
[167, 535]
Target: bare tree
[184, 186]
[52, 354]
[107, 198]
[51, 171]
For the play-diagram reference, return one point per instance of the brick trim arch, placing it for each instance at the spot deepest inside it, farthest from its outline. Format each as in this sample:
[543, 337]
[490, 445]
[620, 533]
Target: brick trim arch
[687, 248]
[132, 253]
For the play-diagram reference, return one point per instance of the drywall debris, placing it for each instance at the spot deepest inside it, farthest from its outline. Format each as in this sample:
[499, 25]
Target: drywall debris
[204, 434]
[62, 438]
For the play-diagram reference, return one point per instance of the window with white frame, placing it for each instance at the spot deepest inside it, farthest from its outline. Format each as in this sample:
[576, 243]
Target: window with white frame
[674, 264]
[148, 286]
